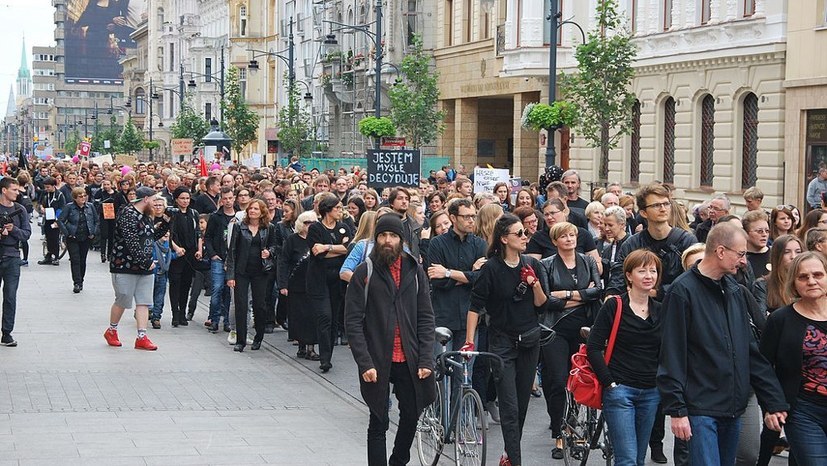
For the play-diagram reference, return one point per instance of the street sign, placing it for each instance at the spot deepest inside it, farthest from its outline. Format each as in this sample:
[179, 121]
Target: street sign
[389, 168]
[392, 143]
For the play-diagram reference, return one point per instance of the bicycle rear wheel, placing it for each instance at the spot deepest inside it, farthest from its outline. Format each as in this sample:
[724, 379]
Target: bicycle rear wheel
[61, 247]
[430, 432]
[469, 441]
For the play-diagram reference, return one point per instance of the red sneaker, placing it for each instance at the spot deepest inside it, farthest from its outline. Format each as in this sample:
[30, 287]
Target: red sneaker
[111, 336]
[145, 344]
[504, 461]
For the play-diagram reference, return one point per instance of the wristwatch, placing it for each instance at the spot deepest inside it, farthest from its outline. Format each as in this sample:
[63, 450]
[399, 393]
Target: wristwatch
[329, 247]
[613, 385]
[568, 294]
[447, 273]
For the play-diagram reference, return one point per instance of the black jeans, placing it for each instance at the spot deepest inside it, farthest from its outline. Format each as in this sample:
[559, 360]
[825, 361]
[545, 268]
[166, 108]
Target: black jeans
[106, 238]
[258, 285]
[52, 240]
[10, 276]
[180, 280]
[513, 389]
[403, 387]
[78, 249]
[270, 315]
[556, 357]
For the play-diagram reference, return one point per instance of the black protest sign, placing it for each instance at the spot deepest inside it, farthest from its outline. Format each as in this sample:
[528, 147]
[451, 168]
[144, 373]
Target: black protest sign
[389, 168]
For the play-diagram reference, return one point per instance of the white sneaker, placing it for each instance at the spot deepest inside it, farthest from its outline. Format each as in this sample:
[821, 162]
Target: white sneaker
[231, 337]
[249, 340]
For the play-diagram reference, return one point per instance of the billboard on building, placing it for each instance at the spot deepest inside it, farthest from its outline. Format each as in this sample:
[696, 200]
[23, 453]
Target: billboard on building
[97, 37]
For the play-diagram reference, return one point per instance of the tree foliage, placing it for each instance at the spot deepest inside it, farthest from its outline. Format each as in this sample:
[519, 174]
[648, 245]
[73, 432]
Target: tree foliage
[295, 125]
[242, 123]
[71, 143]
[110, 133]
[414, 98]
[372, 127]
[189, 124]
[131, 139]
[601, 87]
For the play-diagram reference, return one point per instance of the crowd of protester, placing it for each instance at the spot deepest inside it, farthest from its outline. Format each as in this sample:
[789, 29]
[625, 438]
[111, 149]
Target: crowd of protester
[277, 247]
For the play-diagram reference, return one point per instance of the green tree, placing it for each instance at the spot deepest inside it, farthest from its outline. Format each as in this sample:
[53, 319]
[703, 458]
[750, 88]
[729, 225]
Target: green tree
[601, 87]
[242, 123]
[414, 98]
[189, 124]
[131, 139]
[71, 143]
[295, 125]
[108, 133]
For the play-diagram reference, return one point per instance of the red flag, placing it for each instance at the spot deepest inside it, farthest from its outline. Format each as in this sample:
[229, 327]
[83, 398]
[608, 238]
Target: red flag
[203, 164]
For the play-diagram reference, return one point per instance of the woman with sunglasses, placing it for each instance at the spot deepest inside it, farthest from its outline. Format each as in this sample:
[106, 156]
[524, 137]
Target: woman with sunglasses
[78, 222]
[575, 290]
[795, 343]
[510, 291]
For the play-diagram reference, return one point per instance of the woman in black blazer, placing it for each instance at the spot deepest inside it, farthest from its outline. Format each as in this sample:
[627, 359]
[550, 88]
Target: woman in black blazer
[575, 291]
[795, 343]
[250, 263]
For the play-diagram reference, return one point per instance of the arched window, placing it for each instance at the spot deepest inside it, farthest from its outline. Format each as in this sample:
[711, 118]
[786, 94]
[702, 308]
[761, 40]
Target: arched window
[242, 20]
[707, 139]
[749, 139]
[140, 101]
[634, 175]
[669, 140]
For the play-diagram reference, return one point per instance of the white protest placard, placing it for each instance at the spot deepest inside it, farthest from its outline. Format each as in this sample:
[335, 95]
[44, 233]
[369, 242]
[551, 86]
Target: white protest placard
[486, 178]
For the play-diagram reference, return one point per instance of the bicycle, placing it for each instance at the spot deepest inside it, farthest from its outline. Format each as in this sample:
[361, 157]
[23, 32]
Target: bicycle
[460, 420]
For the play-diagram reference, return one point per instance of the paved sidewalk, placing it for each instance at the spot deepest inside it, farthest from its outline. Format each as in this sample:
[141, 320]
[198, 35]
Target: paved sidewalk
[68, 398]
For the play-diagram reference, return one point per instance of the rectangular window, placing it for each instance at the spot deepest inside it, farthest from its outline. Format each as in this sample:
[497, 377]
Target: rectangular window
[449, 23]
[208, 111]
[171, 56]
[633, 16]
[468, 20]
[667, 15]
[706, 11]
[749, 8]
[208, 69]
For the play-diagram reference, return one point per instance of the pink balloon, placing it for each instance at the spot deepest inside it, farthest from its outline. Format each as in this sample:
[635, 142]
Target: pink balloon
[125, 169]
[75, 159]
[215, 166]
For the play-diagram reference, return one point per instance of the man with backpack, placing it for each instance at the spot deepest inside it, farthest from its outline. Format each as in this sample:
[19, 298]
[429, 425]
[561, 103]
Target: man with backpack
[389, 291]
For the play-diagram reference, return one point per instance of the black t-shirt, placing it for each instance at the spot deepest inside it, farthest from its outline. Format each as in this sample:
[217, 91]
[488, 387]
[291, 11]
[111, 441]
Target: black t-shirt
[317, 233]
[541, 244]
[253, 259]
[580, 203]
[759, 261]
[494, 293]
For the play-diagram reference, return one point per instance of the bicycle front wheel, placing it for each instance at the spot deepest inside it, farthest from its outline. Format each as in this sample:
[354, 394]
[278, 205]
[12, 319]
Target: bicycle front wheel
[430, 432]
[62, 247]
[576, 433]
[469, 442]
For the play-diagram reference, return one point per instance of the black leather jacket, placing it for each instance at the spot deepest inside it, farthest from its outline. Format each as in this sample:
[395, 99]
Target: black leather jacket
[588, 284]
[239, 251]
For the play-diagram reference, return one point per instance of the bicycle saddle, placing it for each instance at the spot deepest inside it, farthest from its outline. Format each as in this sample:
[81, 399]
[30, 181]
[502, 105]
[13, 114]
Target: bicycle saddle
[443, 335]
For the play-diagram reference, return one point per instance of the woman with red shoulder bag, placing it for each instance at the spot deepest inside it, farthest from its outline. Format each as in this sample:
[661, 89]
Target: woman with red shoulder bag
[630, 395]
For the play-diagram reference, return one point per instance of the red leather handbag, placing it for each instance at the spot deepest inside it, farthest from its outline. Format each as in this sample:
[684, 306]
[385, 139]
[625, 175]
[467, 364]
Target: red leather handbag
[583, 383]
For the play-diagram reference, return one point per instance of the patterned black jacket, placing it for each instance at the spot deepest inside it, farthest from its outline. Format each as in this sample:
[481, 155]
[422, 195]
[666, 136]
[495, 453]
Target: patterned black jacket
[134, 236]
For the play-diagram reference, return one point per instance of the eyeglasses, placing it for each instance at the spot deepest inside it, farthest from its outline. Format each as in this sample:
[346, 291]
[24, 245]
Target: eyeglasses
[243, 194]
[716, 209]
[740, 254]
[784, 207]
[659, 205]
[158, 188]
[551, 212]
[805, 277]
[518, 233]
[761, 231]
[467, 218]
[308, 222]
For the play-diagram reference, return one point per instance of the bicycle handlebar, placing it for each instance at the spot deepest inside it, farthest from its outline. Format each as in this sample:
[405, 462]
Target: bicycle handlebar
[495, 358]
